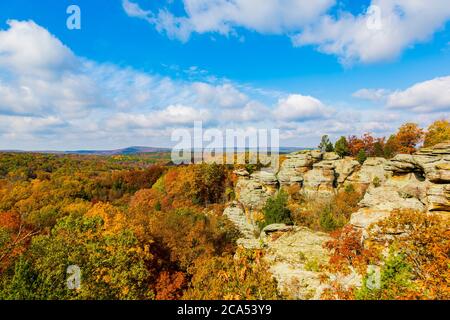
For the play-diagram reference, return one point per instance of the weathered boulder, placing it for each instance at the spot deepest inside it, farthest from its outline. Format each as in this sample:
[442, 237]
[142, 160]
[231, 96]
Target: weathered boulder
[325, 164]
[365, 217]
[410, 185]
[276, 227]
[330, 156]
[439, 198]
[295, 258]
[372, 172]
[402, 163]
[435, 162]
[317, 155]
[265, 177]
[272, 229]
[389, 198]
[241, 173]
[436, 150]
[236, 214]
[319, 181]
[296, 165]
[254, 191]
[407, 191]
[344, 168]
[439, 172]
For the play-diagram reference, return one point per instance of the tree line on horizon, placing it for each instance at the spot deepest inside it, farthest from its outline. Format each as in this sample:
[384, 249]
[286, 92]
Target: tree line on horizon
[405, 141]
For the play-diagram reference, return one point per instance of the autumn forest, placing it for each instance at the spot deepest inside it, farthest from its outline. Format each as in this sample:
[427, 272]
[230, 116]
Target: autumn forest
[139, 227]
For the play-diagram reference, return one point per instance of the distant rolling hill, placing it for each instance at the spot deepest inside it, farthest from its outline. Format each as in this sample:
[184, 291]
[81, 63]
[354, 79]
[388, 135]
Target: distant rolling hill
[128, 151]
[124, 151]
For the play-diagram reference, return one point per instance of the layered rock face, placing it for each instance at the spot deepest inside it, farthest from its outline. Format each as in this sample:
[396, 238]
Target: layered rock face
[419, 182]
[296, 165]
[236, 214]
[323, 174]
[435, 163]
[331, 174]
[294, 255]
[372, 172]
[252, 191]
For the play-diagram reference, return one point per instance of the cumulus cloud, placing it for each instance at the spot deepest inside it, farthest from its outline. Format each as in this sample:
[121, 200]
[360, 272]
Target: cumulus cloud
[428, 96]
[253, 111]
[226, 95]
[41, 76]
[173, 115]
[222, 16]
[29, 49]
[380, 32]
[133, 10]
[70, 98]
[71, 102]
[423, 97]
[297, 107]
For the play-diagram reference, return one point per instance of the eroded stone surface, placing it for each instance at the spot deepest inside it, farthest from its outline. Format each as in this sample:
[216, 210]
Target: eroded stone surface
[295, 258]
[418, 182]
[236, 214]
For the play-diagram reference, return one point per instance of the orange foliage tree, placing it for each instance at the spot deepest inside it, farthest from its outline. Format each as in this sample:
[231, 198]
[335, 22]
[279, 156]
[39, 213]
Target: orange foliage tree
[414, 266]
[407, 138]
[242, 277]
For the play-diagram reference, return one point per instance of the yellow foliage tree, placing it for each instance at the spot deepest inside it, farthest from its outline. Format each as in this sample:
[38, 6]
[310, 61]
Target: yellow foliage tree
[438, 131]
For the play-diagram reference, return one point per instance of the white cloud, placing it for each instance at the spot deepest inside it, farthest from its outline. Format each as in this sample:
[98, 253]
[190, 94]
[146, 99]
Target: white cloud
[29, 49]
[423, 97]
[400, 24]
[223, 16]
[41, 76]
[226, 95]
[133, 10]
[371, 94]
[68, 102]
[173, 115]
[371, 36]
[253, 111]
[29, 128]
[300, 108]
[428, 96]
[42, 81]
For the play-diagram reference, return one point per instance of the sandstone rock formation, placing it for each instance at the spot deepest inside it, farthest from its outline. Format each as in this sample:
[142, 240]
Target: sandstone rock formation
[439, 198]
[296, 165]
[419, 182]
[435, 162]
[371, 172]
[344, 168]
[236, 214]
[252, 191]
[320, 180]
[295, 255]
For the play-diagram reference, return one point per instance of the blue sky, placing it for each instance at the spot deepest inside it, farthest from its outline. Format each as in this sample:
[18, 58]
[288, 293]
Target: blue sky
[308, 68]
